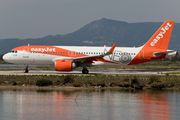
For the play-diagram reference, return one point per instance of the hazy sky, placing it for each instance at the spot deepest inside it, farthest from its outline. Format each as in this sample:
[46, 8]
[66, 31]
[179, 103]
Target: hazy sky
[39, 18]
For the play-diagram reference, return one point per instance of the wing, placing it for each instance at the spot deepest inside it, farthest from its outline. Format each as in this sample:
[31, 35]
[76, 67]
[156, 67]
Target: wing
[91, 58]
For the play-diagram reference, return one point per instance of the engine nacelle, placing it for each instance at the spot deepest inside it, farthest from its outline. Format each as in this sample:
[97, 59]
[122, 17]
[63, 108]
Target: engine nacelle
[64, 65]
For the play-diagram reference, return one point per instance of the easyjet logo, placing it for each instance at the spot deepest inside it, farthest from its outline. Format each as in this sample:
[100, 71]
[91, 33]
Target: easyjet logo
[161, 34]
[43, 49]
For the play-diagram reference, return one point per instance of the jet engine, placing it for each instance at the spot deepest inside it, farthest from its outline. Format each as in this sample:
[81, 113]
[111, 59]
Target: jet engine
[64, 65]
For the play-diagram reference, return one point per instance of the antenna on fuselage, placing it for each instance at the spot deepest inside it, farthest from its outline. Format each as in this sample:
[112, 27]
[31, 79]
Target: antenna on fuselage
[28, 44]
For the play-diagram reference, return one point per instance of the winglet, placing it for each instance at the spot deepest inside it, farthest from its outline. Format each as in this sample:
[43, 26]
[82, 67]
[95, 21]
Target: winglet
[112, 49]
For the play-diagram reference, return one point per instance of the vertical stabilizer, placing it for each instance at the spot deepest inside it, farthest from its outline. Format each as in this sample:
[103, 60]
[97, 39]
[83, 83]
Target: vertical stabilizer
[158, 43]
[160, 40]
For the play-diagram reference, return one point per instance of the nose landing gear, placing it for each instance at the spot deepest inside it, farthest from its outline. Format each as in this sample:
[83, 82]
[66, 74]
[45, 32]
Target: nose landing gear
[26, 69]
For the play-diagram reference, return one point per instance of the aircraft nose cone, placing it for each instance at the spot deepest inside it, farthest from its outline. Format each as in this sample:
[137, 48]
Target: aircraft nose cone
[7, 57]
[4, 58]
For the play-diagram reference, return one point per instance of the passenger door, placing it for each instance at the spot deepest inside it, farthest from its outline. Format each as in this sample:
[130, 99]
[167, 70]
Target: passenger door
[26, 52]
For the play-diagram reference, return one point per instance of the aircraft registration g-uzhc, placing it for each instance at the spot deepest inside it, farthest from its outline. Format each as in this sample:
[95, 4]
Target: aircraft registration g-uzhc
[67, 58]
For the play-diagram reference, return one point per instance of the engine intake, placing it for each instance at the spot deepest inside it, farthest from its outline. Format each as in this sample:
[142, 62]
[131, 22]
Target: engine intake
[64, 65]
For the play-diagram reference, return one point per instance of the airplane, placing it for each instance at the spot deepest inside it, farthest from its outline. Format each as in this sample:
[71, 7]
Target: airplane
[67, 58]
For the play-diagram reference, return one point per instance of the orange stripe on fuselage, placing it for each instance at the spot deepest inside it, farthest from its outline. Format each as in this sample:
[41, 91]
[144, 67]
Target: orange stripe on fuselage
[50, 50]
[137, 60]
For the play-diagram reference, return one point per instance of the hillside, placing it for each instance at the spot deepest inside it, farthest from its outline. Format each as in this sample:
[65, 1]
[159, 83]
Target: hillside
[100, 32]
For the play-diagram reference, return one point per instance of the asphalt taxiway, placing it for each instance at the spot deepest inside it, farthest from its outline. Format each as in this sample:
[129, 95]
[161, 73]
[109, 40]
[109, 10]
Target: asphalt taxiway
[94, 72]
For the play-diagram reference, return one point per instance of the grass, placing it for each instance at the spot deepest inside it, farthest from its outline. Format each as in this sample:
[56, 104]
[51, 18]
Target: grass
[43, 82]
[152, 81]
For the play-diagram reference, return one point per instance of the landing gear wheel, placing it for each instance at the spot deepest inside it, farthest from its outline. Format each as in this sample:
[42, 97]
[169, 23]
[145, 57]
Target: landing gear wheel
[85, 71]
[26, 69]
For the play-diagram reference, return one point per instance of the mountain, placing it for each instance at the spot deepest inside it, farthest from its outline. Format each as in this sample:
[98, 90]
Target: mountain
[99, 33]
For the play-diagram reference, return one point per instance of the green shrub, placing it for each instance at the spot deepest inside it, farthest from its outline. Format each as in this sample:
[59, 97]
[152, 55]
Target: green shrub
[77, 84]
[14, 83]
[43, 82]
[167, 74]
[154, 78]
[134, 80]
[68, 79]
[126, 79]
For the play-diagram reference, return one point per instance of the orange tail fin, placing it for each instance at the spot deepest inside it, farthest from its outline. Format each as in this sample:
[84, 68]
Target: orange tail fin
[160, 40]
[158, 43]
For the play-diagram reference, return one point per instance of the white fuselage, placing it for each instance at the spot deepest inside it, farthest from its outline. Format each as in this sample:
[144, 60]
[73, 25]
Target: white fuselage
[121, 55]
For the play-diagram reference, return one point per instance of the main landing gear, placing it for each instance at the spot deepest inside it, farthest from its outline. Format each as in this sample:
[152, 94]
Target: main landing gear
[85, 71]
[26, 69]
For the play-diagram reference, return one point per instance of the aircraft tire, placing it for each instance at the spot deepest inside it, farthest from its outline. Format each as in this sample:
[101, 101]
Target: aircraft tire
[85, 71]
[26, 71]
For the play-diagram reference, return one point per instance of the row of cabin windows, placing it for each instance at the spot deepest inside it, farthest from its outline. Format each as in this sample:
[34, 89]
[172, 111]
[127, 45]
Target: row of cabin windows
[84, 53]
[69, 52]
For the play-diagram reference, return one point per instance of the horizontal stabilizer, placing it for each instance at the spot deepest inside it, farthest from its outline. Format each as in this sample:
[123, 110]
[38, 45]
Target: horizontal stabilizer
[168, 52]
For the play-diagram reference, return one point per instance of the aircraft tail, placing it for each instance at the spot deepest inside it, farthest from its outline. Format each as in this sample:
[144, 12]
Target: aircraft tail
[160, 40]
[156, 47]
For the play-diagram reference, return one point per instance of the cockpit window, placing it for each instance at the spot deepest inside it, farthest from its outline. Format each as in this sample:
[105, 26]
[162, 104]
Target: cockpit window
[14, 51]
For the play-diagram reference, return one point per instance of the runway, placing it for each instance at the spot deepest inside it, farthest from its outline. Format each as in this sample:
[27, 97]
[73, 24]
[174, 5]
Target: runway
[94, 72]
